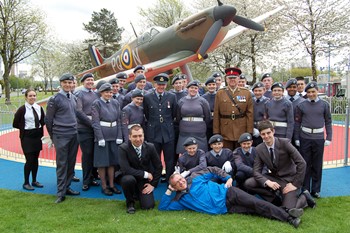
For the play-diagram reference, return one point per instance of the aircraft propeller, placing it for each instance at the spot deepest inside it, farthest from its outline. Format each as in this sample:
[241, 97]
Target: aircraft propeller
[223, 15]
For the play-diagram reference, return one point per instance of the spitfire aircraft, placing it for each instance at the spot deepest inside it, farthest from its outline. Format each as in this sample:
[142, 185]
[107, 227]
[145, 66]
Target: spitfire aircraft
[190, 40]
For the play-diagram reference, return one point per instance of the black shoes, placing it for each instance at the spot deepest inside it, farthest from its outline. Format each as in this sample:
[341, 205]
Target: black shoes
[37, 184]
[75, 179]
[316, 194]
[94, 183]
[115, 190]
[310, 201]
[295, 222]
[107, 192]
[87, 187]
[130, 209]
[28, 187]
[72, 192]
[60, 199]
[296, 213]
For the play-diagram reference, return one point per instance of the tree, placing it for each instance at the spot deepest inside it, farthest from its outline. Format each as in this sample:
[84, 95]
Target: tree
[319, 26]
[164, 13]
[22, 32]
[104, 29]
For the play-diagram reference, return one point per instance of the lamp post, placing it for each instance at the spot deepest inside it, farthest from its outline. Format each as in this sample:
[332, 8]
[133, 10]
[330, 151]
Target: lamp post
[329, 69]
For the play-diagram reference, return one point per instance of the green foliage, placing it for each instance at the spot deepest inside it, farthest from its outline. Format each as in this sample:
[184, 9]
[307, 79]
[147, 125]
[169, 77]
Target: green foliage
[104, 29]
[28, 212]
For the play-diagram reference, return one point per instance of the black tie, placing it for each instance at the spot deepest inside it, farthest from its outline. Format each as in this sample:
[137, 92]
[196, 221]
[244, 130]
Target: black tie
[217, 155]
[258, 100]
[36, 118]
[138, 152]
[272, 157]
[301, 95]
[312, 101]
[114, 96]
[160, 98]
[291, 99]
[68, 95]
[107, 101]
[247, 154]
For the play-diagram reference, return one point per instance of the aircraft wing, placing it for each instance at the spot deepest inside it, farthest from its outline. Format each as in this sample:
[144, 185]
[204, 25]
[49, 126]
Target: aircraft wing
[239, 29]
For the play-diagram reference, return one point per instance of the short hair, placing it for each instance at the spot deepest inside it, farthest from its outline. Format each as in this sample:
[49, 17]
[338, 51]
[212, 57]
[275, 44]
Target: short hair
[262, 125]
[300, 78]
[135, 127]
[172, 177]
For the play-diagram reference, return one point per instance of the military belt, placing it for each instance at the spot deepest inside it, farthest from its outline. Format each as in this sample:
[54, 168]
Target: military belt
[233, 116]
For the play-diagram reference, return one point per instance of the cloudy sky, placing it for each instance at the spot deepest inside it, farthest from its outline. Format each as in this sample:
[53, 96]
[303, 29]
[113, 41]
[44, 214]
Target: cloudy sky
[66, 17]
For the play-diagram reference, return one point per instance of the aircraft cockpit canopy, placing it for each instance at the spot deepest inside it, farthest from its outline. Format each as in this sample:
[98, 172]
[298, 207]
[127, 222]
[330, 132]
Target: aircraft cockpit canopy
[149, 34]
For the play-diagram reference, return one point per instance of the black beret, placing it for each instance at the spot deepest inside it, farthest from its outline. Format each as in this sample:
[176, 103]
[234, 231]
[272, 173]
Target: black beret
[114, 81]
[100, 83]
[105, 87]
[183, 76]
[311, 85]
[139, 67]
[291, 81]
[67, 76]
[215, 138]
[258, 85]
[242, 76]
[85, 76]
[266, 75]
[245, 137]
[137, 93]
[216, 74]
[190, 141]
[161, 78]
[210, 80]
[193, 83]
[139, 78]
[277, 84]
[233, 71]
[176, 78]
[121, 75]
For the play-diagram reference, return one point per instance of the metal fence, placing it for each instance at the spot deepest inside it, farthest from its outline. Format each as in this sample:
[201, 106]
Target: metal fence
[335, 155]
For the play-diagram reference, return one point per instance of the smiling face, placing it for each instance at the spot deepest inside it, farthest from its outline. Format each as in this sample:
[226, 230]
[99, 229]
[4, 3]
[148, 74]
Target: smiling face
[88, 83]
[301, 85]
[141, 84]
[30, 97]
[160, 88]
[178, 182]
[246, 145]
[67, 85]
[259, 92]
[193, 91]
[268, 136]
[211, 87]
[107, 95]
[137, 101]
[191, 149]
[217, 146]
[277, 93]
[232, 81]
[312, 93]
[292, 90]
[136, 136]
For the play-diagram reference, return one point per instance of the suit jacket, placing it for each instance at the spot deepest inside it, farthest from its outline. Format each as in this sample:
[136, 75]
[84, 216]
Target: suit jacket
[131, 165]
[160, 117]
[290, 165]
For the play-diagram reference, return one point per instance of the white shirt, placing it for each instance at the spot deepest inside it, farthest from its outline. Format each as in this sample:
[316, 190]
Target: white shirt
[29, 115]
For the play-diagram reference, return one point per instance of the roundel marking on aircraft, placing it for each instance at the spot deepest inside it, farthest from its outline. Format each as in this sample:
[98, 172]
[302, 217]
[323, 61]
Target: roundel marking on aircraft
[126, 57]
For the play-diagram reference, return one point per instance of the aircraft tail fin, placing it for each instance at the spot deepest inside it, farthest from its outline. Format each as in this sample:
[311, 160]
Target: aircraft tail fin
[95, 55]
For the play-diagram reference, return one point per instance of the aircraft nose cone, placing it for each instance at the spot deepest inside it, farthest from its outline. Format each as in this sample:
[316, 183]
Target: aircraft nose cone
[225, 12]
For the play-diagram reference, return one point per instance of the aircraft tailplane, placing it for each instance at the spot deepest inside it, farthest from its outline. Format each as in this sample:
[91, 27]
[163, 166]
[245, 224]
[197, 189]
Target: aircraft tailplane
[95, 55]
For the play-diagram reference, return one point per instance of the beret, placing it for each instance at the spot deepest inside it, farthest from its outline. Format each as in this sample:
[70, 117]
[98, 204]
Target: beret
[139, 67]
[242, 76]
[311, 85]
[114, 81]
[193, 83]
[190, 141]
[258, 85]
[161, 78]
[137, 93]
[266, 75]
[277, 84]
[67, 76]
[85, 76]
[105, 87]
[139, 78]
[100, 83]
[121, 75]
[210, 80]
[215, 138]
[291, 81]
[216, 74]
[176, 78]
[245, 137]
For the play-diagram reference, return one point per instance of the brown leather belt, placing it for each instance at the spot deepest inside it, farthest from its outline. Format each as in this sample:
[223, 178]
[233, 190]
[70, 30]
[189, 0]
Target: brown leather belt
[233, 116]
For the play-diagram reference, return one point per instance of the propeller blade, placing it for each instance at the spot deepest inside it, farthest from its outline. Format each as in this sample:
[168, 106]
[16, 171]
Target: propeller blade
[210, 37]
[248, 23]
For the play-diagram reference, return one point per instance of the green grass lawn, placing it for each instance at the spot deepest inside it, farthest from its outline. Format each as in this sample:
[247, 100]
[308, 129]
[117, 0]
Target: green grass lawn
[26, 212]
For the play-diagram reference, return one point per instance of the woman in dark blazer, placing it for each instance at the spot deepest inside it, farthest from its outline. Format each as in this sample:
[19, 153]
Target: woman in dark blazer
[29, 119]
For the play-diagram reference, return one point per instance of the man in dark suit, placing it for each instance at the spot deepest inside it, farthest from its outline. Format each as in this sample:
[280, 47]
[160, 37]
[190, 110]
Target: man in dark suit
[160, 110]
[141, 170]
[287, 171]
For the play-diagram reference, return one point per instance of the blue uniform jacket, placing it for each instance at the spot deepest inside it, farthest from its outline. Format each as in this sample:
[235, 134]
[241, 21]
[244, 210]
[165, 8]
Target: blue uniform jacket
[202, 194]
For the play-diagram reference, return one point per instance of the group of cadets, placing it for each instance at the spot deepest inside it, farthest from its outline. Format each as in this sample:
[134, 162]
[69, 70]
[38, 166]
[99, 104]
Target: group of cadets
[190, 128]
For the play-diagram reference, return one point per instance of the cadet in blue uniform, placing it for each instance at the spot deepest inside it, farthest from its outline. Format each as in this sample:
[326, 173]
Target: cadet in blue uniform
[210, 97]
[98, 85]
[220, 157]
[242, 81]
[115, 89]
[140, 82]
[301, 87]
[121, 76]
[218, 79]
[139, 69]
[160, 111]
[311, 116]
[279, 111]
[177, 87]
[200, 194]
[61, 124]
[193, 112]
[244, 159]
[192, 160]
[267, 80]
[259, 101]
[106, 122]
[133, 114]
[85, 98]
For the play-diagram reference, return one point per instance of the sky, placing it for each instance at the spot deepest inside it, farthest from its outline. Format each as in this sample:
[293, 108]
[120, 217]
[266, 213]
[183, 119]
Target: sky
[66, 17]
